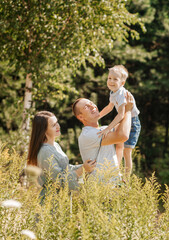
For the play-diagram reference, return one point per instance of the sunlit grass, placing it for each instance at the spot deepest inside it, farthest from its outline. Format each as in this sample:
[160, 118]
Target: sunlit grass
[99, 210]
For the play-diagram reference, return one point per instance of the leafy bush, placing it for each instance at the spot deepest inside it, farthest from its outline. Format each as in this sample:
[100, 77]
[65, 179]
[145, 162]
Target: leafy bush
[99, 210]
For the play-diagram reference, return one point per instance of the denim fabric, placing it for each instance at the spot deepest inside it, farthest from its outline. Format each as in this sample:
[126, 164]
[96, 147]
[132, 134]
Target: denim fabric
[134, 133]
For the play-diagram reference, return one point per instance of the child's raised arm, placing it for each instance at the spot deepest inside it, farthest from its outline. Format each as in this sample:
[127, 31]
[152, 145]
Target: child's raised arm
[106, 110]
[117, 119]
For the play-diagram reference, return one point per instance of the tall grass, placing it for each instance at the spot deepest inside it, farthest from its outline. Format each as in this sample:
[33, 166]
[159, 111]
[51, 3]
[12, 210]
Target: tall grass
[99, 210]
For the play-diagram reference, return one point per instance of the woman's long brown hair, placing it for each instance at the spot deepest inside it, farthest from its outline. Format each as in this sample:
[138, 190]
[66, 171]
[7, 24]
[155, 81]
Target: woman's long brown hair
[38, 135]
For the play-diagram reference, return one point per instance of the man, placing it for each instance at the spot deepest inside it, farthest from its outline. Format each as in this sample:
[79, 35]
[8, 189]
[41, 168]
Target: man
[90, 144]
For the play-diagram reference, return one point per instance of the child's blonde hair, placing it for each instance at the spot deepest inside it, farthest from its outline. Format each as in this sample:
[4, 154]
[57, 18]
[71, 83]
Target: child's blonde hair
[120, 69]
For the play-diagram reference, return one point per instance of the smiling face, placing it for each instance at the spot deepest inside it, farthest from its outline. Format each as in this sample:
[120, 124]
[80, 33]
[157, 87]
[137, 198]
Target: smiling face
[53, 129]
[88, 112]
[114, 81]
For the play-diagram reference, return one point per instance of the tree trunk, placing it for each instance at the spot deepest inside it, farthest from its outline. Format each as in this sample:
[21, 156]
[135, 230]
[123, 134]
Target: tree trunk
[27, 102]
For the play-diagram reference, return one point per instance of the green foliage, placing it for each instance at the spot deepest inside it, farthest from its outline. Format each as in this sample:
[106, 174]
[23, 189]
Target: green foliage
[51, 40]
[11, 96]
[161, 166]
[99, 210]
[53, 35]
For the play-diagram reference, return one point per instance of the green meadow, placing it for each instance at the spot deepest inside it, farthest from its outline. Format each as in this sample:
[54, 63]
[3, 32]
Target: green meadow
[100, 210]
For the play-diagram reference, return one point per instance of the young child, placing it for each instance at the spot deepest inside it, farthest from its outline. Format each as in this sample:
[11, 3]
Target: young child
[116, 80]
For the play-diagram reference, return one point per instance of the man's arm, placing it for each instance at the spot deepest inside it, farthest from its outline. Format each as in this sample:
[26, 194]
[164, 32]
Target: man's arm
[121, 134]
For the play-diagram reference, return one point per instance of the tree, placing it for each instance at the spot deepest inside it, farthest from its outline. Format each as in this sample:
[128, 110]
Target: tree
[49, 39]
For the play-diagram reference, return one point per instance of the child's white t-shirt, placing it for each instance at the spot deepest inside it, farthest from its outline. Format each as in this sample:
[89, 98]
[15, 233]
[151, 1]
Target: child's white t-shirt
[118, 98]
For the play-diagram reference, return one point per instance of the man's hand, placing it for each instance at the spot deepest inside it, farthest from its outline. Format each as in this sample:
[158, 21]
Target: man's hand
[129, 104]
[103, 133]
[89, 165]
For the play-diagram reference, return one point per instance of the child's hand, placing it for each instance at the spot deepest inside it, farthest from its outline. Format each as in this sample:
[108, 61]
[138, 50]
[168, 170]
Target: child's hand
[104, 132]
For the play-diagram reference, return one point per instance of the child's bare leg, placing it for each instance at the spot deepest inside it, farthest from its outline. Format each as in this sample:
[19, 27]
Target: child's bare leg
[128, 160]
[119, 152]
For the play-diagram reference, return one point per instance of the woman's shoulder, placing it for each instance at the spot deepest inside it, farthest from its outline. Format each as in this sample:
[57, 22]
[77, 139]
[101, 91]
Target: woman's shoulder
[45, 150]
[46, 147]
[48, 150]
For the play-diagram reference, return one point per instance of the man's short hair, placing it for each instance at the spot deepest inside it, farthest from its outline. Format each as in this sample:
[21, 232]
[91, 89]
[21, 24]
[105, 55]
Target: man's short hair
[75, 110]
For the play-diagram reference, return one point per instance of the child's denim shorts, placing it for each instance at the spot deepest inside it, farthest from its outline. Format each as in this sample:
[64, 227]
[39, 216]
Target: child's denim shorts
[134, 133]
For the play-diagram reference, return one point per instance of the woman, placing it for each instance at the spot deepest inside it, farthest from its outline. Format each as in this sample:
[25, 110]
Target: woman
[47, 154]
